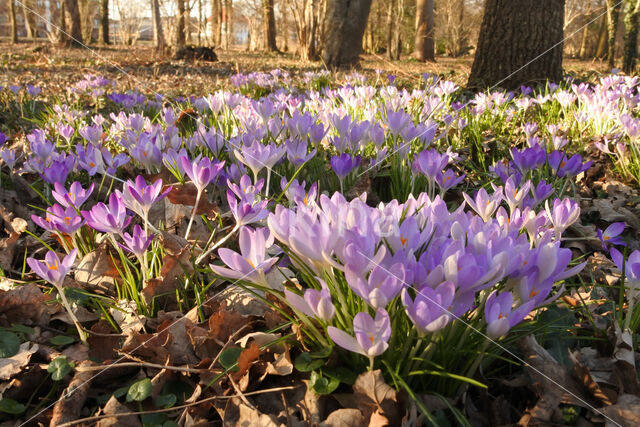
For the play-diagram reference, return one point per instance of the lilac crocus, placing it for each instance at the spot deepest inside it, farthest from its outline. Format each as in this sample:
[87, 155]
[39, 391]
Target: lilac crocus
[483, 204]
[75, 196]
[8, 156]
[344, 164]
[314, 303]
[500, 315]
[611, 235]
[448, 179]
[257, 156]
[54, 271]
[382, 285]
[297, 152]
[429, 311]
[65, 220]
[430, 163]
[631, 264]
[247, 211]
[564, 213]
[136, 242]
[58, 170]
[201, 172]
[541, 192]
[251, 264]
[139, 197]
[371, 335]
[3, 139]
[108, 219]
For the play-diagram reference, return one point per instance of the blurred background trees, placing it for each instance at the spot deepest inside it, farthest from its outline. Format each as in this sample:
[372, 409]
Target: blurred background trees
[333, 30]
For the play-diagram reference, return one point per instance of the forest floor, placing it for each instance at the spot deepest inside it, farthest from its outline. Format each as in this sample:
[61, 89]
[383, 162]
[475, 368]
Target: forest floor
[136, 66]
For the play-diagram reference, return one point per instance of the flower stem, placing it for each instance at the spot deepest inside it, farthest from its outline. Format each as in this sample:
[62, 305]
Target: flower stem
[193, 214]
[74, 319]
[220, 242]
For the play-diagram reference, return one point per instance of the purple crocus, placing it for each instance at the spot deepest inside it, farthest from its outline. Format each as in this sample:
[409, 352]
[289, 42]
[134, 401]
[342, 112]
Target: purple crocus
[75, 196]
[136, 242]
[500, 315]
[382, 285]
[611, 235]
[564, 213]
[108, 219]
[201, 172]
[65, 220]
[139, 197]
[371, 335]
[541, 192]
[344, 164]
[631, 265]
[297, 152]
[251, 264]
[58, 170]
[430, 163]
[51, 269]
[314, 303]
[247, 211]
[429, 311]
[448, 179]
[3, 139]
[483, 204]
[8, 156]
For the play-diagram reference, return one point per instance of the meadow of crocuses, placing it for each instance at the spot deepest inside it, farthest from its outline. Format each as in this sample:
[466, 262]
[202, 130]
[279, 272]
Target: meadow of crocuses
[420, 231]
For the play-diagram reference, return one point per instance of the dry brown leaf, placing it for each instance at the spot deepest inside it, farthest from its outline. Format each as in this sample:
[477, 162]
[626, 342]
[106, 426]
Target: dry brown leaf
[583, 374]
[625, 412]
[223, 323]
[68, 408]
[114, 407]
[186, 195]
[246, 359]
[625, 359]
[177, 343]
[173, 268]
[374, 395]
[96, 272]
[28, 304]
[10, 366]
[102, 346]
[237, 413]
[346, 417]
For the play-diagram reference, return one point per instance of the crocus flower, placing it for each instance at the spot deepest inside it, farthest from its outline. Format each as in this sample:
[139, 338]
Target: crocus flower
[483, 204]
[344, 164]
[3, 139]
[65, 220]
[247, 211]
[257, 156]
[564, 213]
[448, 179]
[371, 335]
[611, 235]
[297, 152]
[9, 157]
[108, 219]
[541, 192]
[75, 196]
[430, 163]
[430, 310]
[201, 172]
[251, 263]
[315, 303]
[136, 242]
[382, 285]
[631, 265]
[139, 197]
[58, 171]
[500, 315]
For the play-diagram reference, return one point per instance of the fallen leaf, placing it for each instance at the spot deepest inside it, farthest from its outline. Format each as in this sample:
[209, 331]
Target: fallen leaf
[374, 395]
[173, 268]
[69, 406]
[346, 417]
[186, 195]
[625, 412]
[10, 366]
[27, 303]
[114, 407]
[246, 359]
[102, 346]
[96, 272]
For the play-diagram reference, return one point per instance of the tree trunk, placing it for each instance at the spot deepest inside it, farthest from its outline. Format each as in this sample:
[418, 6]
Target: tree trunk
[216, 22]
[63, 39]
[346, 21]
[520, 43]
[73, 17]
[180, 40]
[582, 54]
[395, 13]
[14, 25]
[269, 22]
[104, 22]
[630, 36]
[158, 33]
[601, 50]
[228, 23]
[613, 15]
[29, 19]
[424, 49]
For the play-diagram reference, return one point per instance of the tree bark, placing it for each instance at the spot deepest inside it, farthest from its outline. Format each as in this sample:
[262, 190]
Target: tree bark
[346, 21]
[269, 22]
[630, 36]
[395, 13]
[158, 33]
[73, 17]
[29, 19]
[520, 43]
[14, 25]
[424, 49]
[104, 22]
[601, 50]
[228, 23]
[216, 22]
[63, 39]
[613, 15]
[180, 27]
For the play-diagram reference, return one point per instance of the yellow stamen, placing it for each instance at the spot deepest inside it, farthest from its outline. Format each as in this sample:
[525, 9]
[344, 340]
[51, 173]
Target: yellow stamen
[403, 240]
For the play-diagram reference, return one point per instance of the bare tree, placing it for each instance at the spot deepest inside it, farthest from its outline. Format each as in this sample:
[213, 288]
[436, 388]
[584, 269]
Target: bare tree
[308, 16]
[424, 49]
[72, 11]
[395, 15]
[158, 33]
[180, 25]
[631, 36]
[29, 19]
[14, 25]
[269, 22]
[345, 24]
[613, 14]
[104, 21]
[216, 22]
[520, 43]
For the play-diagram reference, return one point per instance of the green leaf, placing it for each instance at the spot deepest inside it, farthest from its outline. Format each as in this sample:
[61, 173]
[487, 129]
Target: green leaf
[165, 400]
[323, 385]
[139, 390]
[229, 357]
[119, 392]
[9, 344]
[21, 329]
[153, 420]
[306, 363]
[59, 368]
[60, 340]
[10, 406]
[347, 376]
